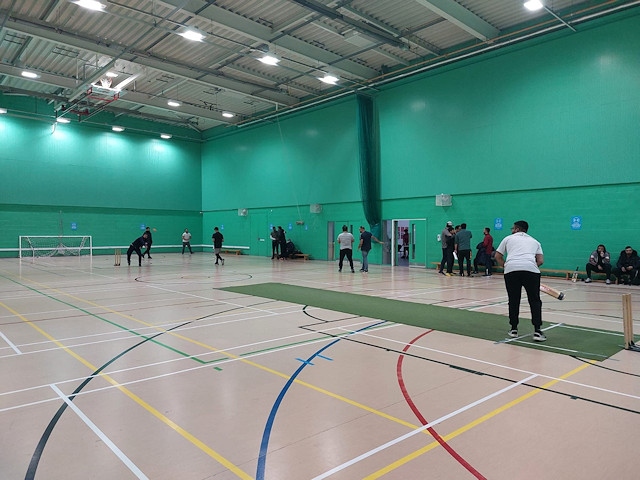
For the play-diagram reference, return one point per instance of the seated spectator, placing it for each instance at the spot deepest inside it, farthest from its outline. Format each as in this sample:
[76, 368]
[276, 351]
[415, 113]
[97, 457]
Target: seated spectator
[626, 270]
[599, 262]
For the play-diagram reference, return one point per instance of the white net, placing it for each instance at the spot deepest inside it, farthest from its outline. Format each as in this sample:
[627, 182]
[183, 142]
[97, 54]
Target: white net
[49, 246]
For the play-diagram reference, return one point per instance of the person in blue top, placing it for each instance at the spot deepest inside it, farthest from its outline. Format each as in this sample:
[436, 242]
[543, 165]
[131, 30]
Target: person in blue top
[365, 247]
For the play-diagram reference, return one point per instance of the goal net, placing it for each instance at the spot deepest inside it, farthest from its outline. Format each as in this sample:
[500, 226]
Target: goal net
[50, 245]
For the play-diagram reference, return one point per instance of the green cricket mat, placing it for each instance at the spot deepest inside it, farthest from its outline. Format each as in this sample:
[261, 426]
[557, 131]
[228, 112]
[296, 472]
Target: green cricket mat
[587, 343]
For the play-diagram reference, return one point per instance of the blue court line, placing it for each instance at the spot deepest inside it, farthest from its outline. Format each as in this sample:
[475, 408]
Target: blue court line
[307, 362]
[325, 358]
[266, 435]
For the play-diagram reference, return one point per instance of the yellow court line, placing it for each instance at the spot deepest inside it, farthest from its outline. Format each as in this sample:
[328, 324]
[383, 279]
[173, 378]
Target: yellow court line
[244, 360]
[170, 423]
[478, 421]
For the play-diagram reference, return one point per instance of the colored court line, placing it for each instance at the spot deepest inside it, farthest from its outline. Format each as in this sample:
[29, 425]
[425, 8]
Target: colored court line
[266, 434]
[159, 415]
[181, 431]
[423, 420]
[100, 434]
[469, 426]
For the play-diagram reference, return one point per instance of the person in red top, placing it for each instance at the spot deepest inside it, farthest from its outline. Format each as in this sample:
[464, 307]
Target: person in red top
[487, 244]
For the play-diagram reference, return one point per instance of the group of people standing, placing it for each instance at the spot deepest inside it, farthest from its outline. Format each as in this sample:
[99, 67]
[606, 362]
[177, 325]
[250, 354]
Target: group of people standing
[456, 242]
[146, 240]
[278, 243]
[346, 240]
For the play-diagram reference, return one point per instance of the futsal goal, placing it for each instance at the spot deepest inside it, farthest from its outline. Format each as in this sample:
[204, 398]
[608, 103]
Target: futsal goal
[32, 246]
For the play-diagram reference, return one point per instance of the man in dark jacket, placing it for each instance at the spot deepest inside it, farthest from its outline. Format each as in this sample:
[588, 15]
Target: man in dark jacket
[135, 246]
[626, 270]
[149, 242]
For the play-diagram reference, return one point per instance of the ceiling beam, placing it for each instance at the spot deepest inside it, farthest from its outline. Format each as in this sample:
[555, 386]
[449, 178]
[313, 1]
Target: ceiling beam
[264, 34]
[212, 77]
[463, 18]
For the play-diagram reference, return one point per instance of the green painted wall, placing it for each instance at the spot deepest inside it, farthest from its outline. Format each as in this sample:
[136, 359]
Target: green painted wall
[107, 183]
[545, 132]
[303, 159]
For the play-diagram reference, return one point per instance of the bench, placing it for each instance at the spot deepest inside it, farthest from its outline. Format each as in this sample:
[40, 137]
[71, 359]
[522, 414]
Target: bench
[304, 256]
[231, 250]
[546, 272]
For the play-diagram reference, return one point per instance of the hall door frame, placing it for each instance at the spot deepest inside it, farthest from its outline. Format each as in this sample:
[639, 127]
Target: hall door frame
[417, 240]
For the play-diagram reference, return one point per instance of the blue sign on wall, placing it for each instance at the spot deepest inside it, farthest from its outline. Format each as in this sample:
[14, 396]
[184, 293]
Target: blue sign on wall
[74, 226]
[576, 223]
[142, 226]
[497, 224]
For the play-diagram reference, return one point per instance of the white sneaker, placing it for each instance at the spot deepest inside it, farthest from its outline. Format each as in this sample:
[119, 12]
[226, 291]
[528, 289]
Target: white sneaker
[587, 280]
[539, 337]
[608, 282]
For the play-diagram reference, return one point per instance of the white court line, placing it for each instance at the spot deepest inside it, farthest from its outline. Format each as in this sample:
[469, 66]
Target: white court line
[112, 446]
[421, 429]
[15, 349]
[516, 339]
[506, 367]
[164, 375]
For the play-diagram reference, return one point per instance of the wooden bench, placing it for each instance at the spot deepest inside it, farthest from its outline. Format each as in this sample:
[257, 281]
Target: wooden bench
[304, 256]
[231, 250]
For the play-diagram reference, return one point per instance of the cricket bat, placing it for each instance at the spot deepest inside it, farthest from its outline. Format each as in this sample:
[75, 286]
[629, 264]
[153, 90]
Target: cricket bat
[551, 291]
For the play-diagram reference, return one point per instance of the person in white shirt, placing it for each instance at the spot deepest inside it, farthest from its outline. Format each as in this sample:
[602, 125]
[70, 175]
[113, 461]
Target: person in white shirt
[186, 240]
[521, 269]
[345, 240]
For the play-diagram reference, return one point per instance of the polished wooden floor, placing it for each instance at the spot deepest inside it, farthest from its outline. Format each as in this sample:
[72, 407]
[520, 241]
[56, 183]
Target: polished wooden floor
[153, 372]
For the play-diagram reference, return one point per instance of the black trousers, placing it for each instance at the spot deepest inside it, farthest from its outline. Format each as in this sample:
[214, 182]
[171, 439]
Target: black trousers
[130, 251]
[447, 257]
[514, 281]
[147, 251]
[274, 249]
[606, 269]
[346, 252]
[186, 244]
[462, 255]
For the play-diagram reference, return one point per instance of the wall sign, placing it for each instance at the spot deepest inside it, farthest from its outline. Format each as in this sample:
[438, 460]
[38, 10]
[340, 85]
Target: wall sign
[576, 223]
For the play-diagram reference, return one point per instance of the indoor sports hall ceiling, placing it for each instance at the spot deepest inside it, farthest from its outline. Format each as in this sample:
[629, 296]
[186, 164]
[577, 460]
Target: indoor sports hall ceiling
[362, 43]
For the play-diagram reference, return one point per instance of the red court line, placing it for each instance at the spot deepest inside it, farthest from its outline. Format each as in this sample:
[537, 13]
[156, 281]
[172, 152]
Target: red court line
[423, 420]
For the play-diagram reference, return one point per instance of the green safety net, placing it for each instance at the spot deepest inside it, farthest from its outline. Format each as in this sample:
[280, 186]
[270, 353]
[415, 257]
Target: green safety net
[368, 147]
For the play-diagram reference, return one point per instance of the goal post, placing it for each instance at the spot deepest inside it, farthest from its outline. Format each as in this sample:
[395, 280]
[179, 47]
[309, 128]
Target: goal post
[32, 246]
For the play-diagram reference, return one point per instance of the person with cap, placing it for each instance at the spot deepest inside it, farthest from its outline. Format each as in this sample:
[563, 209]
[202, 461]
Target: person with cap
[522, 269]
[446, 238]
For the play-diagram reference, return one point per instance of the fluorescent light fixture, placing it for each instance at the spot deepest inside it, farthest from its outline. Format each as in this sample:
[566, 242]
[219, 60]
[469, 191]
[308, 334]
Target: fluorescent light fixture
[269, 59]
[173, 103]
[166, 136]
[228, 114]
[91, 5]
[125, 82]
[3, 110]
[63, 120]
[115, 128]
[28, 74]
[111, 74]
[329, 79]
[533, 5]
[192, 35]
